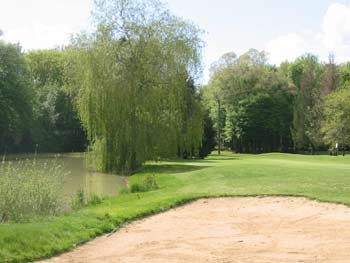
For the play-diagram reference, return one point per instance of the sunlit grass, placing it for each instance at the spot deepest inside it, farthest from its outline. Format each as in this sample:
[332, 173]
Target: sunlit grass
[323, 178]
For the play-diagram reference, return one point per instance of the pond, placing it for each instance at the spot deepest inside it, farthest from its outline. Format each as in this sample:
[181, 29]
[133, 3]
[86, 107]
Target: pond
[80, 178]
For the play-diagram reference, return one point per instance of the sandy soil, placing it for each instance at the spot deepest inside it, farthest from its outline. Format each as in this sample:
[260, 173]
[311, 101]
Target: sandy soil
[269, 229]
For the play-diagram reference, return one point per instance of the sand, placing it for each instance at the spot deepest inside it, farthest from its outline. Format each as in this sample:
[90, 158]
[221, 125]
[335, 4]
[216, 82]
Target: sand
[267, 229]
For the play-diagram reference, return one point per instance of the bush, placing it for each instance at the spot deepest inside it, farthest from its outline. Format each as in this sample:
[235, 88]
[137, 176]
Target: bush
[81, 199]
[94, 200]
[148, 184]
[124, 191]
[29, 189]
[78, 201]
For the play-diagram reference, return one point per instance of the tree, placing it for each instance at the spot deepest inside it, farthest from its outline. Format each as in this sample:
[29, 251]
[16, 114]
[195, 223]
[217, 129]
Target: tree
[336, 123]
[226, 60]
[246, 95]
[330, 76]
[344, 76]
[212, 97]
[56, 124]
[305, 73]
[192, 122]
[261, 123]
[131, 77]
[215, 93]
[15, 99]
[208, 140]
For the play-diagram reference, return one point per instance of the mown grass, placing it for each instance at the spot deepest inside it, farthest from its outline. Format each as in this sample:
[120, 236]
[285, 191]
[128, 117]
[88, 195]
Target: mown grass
[323, 178]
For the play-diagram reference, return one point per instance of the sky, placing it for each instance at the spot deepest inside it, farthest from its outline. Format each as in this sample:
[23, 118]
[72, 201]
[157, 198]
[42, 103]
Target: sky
[285, 29]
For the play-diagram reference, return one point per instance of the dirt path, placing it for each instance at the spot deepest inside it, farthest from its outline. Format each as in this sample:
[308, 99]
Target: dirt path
[269, 229]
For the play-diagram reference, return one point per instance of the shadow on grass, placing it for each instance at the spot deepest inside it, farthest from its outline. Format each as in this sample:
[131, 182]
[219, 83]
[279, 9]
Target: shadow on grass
[171, 168]
[214, 159]
[185, 165]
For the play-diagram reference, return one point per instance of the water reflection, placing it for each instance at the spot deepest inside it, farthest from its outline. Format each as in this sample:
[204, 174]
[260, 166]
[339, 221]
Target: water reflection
[80, 178]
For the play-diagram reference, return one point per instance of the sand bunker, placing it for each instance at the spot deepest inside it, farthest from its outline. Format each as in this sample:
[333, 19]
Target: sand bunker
[269, 229]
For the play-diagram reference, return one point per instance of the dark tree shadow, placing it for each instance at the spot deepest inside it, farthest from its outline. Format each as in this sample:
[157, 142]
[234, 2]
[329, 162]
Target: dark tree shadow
[171, 168]
[214, 159]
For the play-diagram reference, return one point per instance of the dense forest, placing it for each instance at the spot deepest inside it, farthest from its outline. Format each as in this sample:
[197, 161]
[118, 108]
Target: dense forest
[300, 106]
[128, 92]
[36, 112]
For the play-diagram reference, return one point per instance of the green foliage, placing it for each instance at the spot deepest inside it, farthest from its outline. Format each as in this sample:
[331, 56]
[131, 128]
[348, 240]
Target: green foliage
[29, 189]
[36, 112]
[136, 187]
[132, 77]
[225, 175]
[78, 201]
[208, 140]
[257, 107]
[336, 124]
[344, 76]
[261, 123]
[190, 139]
[94, 200]
[81, 200]
[15, 99]
[56, 125]
[124, 191]
[306, 74]
[249, 102]
[148, 183]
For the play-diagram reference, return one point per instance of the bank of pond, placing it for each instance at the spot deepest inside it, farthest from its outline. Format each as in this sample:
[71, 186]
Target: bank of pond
[158, 186]
[51, 184]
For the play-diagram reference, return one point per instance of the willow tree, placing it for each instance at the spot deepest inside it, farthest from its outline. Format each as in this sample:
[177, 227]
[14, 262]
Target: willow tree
[192, 122]
[132, 77]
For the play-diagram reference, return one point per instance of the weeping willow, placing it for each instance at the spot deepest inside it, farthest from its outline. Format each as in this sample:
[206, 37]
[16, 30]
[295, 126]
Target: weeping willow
[132, 78]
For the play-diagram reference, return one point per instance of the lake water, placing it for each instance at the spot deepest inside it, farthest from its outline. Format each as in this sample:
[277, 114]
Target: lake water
[80, 178]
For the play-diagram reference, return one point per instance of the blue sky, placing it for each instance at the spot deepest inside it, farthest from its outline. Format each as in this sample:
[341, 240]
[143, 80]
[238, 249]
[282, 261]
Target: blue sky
[285, 29]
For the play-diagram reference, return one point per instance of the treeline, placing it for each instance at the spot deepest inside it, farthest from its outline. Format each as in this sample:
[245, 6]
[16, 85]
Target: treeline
[127, 89]
[36, 112]
[302, 106]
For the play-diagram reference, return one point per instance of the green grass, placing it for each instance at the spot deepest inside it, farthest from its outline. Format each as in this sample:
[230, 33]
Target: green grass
[323, 178]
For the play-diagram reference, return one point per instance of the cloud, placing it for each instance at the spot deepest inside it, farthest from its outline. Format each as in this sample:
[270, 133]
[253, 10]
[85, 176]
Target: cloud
[333, 37]
[286, 47]
[336, 27]
[37, 24]
[38, 36]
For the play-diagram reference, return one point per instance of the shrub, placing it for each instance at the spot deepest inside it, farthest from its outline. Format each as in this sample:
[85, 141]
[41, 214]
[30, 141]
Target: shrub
[94, 200]
[148, 184]
[137, 187]
[78, 201]
[124, 191]
[81, 199]
[29, 189]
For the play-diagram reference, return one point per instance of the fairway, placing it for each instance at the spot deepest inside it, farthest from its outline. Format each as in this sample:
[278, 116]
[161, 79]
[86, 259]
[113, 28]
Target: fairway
[323, 178]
